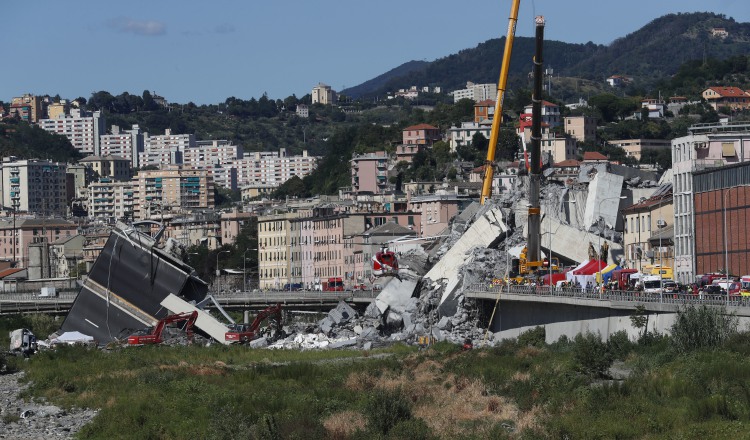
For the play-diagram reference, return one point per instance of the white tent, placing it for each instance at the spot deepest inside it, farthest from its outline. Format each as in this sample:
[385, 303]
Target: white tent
[73, 338]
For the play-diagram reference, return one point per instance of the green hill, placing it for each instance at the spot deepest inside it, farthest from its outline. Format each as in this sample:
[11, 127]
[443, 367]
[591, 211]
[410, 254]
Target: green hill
[653, 52]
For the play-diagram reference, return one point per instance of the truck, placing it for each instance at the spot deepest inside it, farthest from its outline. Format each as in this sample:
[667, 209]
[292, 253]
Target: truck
[652, 284]
[22, 342]
[155, 335]
[48, 292]
[621, 277]
[745, 285]
[242, 333]
[333, 285]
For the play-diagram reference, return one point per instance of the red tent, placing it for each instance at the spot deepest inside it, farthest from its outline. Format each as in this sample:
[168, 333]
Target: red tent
[591, 268]
[555, 278]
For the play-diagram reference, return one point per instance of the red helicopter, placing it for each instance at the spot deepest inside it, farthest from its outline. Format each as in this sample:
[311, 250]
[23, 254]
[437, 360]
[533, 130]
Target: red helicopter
[384, 263]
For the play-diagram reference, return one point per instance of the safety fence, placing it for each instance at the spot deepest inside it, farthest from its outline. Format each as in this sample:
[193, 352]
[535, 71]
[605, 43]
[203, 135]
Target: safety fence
[614, 295]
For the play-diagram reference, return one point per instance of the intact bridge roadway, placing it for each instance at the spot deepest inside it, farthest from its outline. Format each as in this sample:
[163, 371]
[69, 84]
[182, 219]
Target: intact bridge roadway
[13, 303]
[511, 310]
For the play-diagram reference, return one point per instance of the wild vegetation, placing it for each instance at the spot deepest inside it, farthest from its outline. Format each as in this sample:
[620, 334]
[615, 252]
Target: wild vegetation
[654, 387]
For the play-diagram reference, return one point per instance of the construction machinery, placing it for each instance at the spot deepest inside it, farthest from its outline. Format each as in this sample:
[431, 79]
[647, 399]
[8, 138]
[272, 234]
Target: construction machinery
[501, 84]
[242, 333]
[155, 336]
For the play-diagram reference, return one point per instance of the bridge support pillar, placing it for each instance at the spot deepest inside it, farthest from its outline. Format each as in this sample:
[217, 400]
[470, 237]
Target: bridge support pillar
[246, 317]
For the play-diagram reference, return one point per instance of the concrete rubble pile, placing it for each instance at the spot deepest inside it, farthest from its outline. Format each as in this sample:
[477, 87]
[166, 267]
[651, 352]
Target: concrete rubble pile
[426, 300]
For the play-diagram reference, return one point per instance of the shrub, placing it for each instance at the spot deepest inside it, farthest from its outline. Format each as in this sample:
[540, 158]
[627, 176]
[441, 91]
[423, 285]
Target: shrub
[535, 337]
[386, 408]
[702, 327]
[411, 429]
[619, 345]
[591, 355]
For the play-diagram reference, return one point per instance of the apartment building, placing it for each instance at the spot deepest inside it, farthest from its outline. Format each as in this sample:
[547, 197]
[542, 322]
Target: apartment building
[110, 199]
[214, 152]
[323, 94]
[169, 140]
[561, 148]
[421, 134]
[275, 250]
[370, 172]
[34, 186]
[29, 108]
[581, 128]
[254, 190]
[435, 211]
[635, 147]
[59, 109]
[272, 168]
[550, 116]
[647, 239]
[123, 143]
[476, 92]
[732, 97]
[484, 111]
[113, 167]
[18, 234]
[171, 189]
[160, 157]
[194, 229]
[82, 129]
[463, 135]
[706, 146]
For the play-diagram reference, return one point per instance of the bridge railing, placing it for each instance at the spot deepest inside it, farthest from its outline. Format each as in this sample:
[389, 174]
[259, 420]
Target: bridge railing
[614, 295]
[272, 295]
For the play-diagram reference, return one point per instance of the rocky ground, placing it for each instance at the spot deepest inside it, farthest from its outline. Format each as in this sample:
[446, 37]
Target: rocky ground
[24, 420]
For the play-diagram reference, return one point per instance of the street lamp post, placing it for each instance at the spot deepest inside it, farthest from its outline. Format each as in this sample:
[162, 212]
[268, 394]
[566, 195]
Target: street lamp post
[601, 286]
[218, 271]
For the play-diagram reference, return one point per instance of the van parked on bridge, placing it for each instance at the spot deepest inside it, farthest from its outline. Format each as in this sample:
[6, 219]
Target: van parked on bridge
[48, 292]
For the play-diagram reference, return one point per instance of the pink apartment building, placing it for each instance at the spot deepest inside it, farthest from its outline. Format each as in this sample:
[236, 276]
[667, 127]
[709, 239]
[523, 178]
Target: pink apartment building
[370, 172]
[421, 134]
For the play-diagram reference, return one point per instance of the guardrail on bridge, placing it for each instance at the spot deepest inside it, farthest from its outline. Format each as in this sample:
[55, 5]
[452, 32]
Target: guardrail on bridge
[613, 295]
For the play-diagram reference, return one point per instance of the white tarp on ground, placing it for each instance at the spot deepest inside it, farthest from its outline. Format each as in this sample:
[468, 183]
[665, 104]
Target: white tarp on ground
[72, 338]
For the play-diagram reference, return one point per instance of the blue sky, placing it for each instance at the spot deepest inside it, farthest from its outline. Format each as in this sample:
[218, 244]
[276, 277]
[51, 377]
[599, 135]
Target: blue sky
[207, 51]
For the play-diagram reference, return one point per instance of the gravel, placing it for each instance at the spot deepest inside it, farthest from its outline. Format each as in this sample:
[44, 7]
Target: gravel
[24, 420]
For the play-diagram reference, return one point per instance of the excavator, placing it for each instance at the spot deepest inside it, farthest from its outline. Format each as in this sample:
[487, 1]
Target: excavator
[155, 336]
[530, 261]
[242, 333]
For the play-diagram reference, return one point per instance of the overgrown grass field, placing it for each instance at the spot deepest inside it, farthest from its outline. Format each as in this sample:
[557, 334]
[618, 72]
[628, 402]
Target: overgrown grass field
[522, 389]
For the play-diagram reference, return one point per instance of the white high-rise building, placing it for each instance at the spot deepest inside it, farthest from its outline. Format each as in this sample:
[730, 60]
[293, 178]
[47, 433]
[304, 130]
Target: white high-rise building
[271, 168]
[82, 130]
[123, 143]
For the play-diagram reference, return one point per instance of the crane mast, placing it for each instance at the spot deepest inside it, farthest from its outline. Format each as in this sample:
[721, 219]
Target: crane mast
[501, 84]
[534, 218]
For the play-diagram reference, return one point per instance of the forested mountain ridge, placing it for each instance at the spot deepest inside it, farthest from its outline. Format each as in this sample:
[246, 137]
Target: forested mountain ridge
[656, 50]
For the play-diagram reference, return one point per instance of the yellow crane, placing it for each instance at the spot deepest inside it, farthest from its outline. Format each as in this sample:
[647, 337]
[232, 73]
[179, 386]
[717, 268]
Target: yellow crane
[501, 84]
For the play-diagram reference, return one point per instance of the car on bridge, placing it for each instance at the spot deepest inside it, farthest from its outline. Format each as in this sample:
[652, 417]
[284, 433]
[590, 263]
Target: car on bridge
[293, 287]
